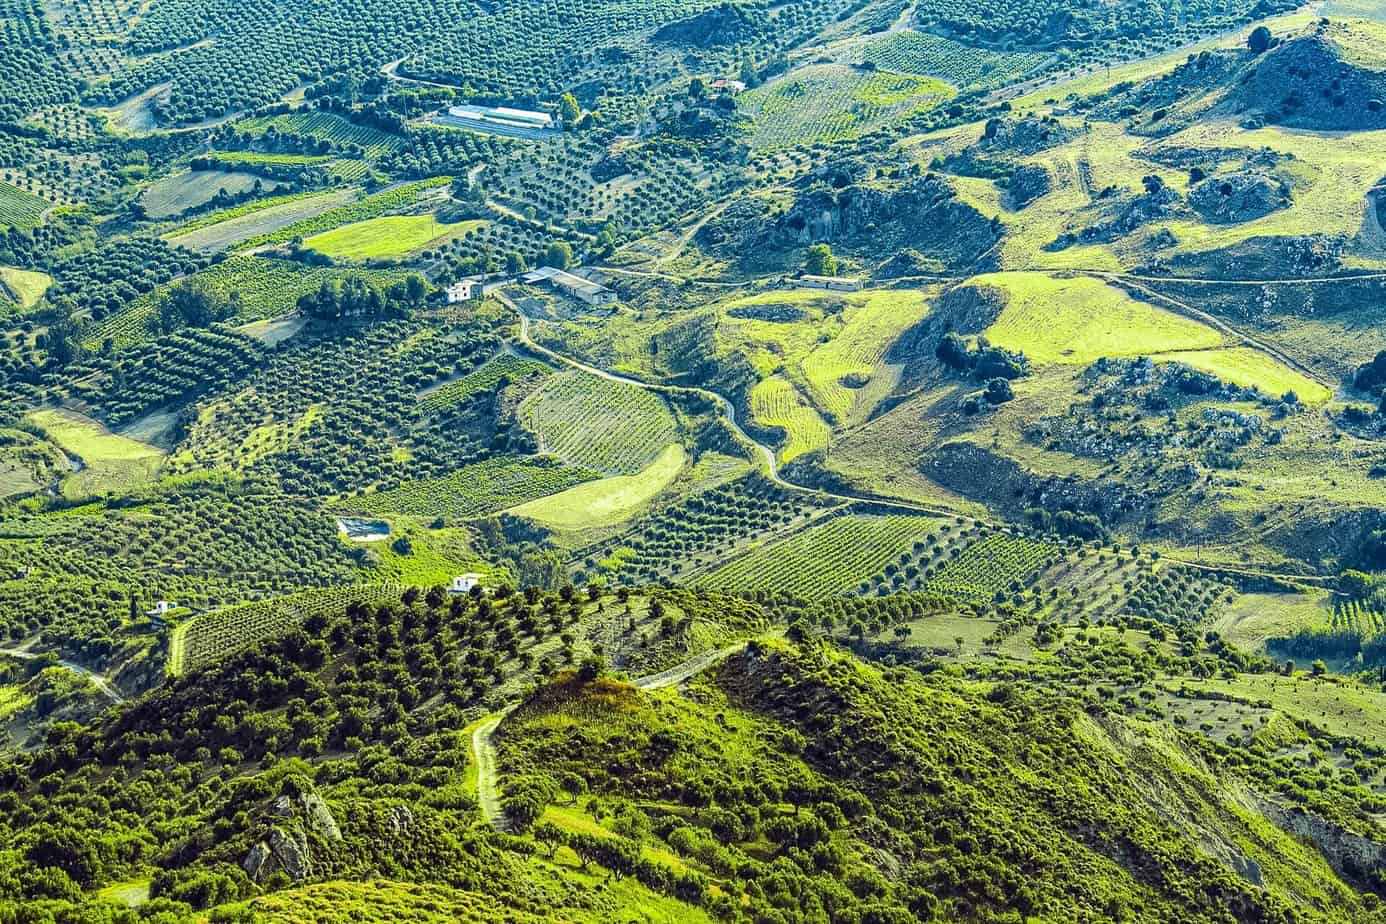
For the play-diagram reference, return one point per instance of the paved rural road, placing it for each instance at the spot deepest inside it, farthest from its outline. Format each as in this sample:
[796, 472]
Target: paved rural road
[484, 737]
[97, 680]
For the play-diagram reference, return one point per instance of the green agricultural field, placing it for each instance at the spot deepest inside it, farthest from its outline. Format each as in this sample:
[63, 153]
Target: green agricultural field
[832, 102]
[1253, 369]
[600, 424]
[209, 636]
[395, 199]
[333, 129]
[264, 289]
[13, 699]
[608, 501]
[961, 65]
[22, 288]
[835, 351]
[182, 192]
[28, 463]
[254, 219]
[388, 237]
[1336, 707]
[1252, 618]
[825, 560]
[507, 365]
[474, 490]
[20, 209]
[992, 566]
[108, 462]
[1076, 321]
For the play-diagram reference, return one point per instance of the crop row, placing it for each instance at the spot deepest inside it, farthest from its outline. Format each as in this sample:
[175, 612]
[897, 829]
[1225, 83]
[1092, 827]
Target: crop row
[475, 490]
[385, 202]
[486, 378]
[216, 634]
[824, 560]
[609, 426]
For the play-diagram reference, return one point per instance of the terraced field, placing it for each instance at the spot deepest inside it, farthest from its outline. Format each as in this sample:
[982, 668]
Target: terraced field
[775, 403]
[599, 424]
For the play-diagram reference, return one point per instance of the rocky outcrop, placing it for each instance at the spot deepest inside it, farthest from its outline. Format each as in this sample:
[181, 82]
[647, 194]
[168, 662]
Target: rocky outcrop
[923, 214]
[1239, 197]
[1004, 484]
[1358, 859]
[297, 819]
[1309, 82]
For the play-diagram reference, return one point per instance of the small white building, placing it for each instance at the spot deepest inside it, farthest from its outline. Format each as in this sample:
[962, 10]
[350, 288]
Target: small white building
[158, 617]
[465, 290]
[835, 283]
[731, 86]
[463, 583]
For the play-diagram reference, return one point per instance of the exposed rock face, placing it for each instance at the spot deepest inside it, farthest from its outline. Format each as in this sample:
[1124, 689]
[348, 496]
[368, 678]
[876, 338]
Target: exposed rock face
[254, 864]
[1357, 859]
[290, 848]
[1239, 197]
[399, 820]
[298, 818]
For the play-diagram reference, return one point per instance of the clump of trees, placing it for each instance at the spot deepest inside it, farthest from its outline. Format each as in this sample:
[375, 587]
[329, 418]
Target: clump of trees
[355, 297]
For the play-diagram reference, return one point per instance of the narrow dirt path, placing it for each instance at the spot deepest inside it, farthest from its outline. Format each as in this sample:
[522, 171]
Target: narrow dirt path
[97, 680]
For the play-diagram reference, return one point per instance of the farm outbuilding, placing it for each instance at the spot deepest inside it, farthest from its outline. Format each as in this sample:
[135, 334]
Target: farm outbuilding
[585, 290]
[501, 120]
[835, 283]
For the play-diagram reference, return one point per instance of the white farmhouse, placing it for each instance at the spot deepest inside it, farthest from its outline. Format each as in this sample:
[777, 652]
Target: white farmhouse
[463, 583]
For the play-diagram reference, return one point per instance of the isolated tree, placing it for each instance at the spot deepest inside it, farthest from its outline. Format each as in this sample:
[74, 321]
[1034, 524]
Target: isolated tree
[999, 391]
[819, 260]
[569, 109]
[559, 254]
[1259, 40]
